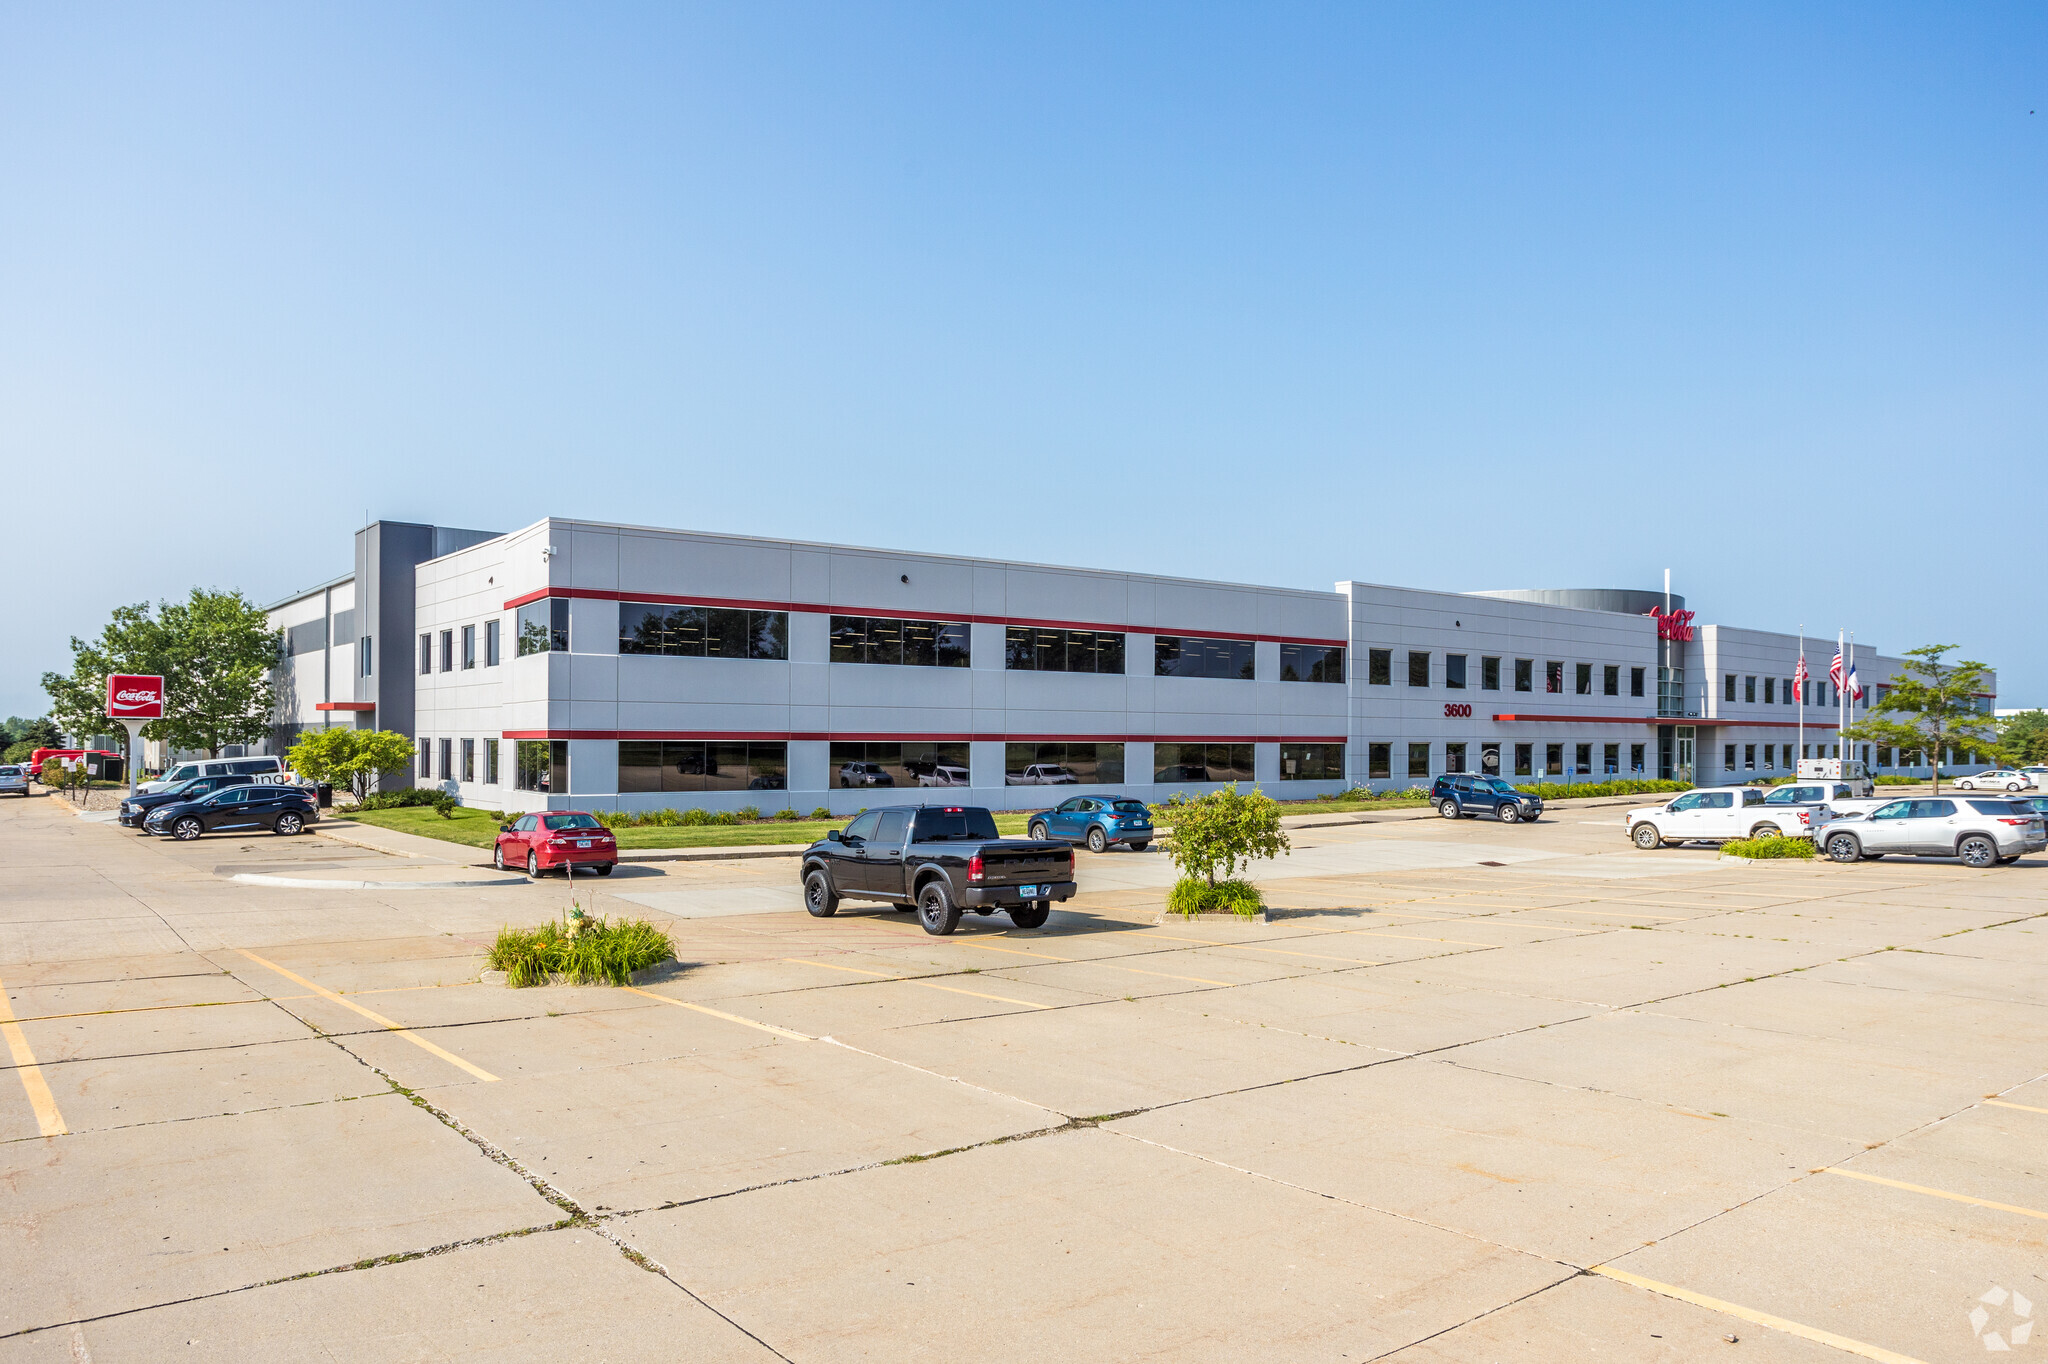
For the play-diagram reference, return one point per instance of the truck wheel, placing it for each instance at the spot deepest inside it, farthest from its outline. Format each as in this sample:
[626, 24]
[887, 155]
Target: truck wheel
[1449, 809]
[1097, 840]
[1978, 851]
[1036, 831]
[1766, 831]
[936, 910]
[819, 897]
[1032, 915]
[1507, 812]
[1646, 837]
[1845, 848]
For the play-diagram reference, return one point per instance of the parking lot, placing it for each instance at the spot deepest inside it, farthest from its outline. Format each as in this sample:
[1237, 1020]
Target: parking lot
[1476, 1093]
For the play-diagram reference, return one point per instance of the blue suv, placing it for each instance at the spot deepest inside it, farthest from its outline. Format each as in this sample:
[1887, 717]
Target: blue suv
[1455, 794]
[1097, 821]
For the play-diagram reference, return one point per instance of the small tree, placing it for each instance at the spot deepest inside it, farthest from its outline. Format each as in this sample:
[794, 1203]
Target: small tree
[350, 758]
[2025, 736]
[1219, 833]
[1935, 705]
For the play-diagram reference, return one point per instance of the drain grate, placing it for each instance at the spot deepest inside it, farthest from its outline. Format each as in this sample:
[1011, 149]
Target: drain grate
[1493, 864]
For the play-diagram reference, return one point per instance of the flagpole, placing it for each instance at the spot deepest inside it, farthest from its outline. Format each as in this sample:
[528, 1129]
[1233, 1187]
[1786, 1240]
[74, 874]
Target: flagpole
[1801, 672]
[1839, 694]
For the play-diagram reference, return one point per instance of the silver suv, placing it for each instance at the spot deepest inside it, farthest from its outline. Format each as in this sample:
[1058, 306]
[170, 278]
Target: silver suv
[1981, 832]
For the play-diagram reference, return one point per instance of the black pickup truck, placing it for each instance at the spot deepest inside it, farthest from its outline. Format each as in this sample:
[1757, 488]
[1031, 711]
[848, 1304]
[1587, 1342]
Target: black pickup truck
[938, 860]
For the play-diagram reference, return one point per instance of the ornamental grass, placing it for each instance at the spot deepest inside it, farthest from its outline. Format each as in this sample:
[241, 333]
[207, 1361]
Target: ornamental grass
[580, 951]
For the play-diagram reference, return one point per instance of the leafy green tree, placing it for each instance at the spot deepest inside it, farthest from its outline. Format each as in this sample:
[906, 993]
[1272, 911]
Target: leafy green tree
[1933, 707]
[351, 758]
[2025, 736]
[21, 752]
[215, 652]
[1225, 830]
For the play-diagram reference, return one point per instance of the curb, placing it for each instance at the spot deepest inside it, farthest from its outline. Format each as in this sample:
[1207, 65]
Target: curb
[252, 878]
[1167, 917]
[646, 975]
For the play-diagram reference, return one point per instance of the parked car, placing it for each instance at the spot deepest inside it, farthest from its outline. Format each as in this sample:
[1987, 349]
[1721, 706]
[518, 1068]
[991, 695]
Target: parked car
[864, 774]
[552, 840]
[136, 808]
[1981, 832]
[1462, 793]
[1185, 772]
[943, 774]
[1043, 774]
[1097, 821]
[13, 779]
[251, 805]
[2037, 774]
[1714, 815]
[772, 781]
[938, 860]
[271, 767]
[1997, 779]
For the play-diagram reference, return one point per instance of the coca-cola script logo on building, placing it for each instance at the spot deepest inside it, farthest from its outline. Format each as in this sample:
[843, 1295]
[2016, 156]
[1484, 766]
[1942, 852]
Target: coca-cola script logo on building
[1676, 626]
[134, 697]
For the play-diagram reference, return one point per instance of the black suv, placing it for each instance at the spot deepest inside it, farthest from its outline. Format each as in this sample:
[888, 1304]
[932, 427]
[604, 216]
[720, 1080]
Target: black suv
[1455, 794]
[280, 809]
[136, 809]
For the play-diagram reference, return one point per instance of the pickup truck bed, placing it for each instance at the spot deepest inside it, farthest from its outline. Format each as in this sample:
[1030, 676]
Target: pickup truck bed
[939, 860]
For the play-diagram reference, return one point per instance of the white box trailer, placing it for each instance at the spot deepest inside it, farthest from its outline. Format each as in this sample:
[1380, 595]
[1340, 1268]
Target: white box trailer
[1838, 769]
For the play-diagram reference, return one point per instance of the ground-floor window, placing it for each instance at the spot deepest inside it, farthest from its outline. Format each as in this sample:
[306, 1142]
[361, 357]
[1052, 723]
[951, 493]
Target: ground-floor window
[426, 759]
[1196, 762]
[469, 760]
[542, 765]
[1635, 759]
[1553, 760]
[1525, 760]
[1610, 760]
[1034, 764]
[1454, 757]
[1770, 756]
[924, 762]
[490, 762]
[1418, 760]
[447, 759]
[1749, 757]
[1584, 760]
[1728, 757]
[696, 765]
[1379, 762]
[1311, 762]
[1489, 759]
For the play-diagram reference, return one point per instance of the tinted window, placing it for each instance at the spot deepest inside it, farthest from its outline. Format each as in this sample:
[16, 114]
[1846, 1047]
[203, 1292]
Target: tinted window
[911, 643]
[2007, 808]
[1898, 809]
[1311, 762]
[234, 795]
[1199, 656]
[1379, 667]
[1525, 674]
[1750, 798]
[937, 825]
[1201, 762]
[1718, 800]
[695, 765]
[541, 627]
[1087, 762]
[1933, 809]
[570, 822]
[1418, 668]
[1124, 807]
[673, 631]
[893, 826]
[1311, 663]
[864, 825]
[1030, 648]
[1454, 670]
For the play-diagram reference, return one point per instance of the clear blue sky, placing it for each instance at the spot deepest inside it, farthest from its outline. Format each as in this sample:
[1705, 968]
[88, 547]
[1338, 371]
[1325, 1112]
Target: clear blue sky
[1456, 297]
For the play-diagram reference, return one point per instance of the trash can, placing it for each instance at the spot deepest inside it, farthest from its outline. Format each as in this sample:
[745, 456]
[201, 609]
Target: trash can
[327, 795]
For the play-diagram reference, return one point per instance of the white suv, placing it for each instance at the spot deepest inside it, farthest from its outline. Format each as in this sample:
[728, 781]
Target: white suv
[1981, 832]
[1998, 778]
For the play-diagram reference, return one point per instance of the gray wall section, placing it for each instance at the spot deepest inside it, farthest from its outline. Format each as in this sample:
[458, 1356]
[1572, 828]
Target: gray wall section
[386, 554]
[1626, 601]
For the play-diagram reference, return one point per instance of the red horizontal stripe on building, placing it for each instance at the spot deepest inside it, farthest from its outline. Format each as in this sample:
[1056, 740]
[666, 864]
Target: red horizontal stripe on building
[817, 608]
[346, 705]
[772, 736]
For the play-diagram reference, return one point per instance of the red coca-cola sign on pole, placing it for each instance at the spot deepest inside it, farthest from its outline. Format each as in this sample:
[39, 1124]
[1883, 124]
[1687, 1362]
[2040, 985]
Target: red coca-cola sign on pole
[133, 696]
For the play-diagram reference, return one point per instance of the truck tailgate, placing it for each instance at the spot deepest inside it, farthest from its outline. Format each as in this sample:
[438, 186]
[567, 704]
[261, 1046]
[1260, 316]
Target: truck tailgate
[1022, 862]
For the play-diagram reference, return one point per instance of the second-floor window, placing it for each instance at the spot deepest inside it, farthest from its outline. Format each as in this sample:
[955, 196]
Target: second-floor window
[468, 650]
[426, 654]
[490, 644]
[701, 631]
[1454, 671]
[1311, 663]
[911, 643]
[1032, 648]
[542, 627]
[1198, 656]
[447, 657]
[1525, 674]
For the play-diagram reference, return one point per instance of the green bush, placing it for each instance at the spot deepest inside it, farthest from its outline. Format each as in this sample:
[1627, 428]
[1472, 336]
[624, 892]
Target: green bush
[749, 813]
[1223, 831]
[1557, 790]
[445, 806]
[1898, 781]
[787, 815]
[405, 798]
[822, 812]
[1767, 848]
[594, 953]
[1191, 896]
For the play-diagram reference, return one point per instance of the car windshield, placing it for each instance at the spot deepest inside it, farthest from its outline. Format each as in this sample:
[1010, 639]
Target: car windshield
[937, 826]
[569, 822]
[1130, 807]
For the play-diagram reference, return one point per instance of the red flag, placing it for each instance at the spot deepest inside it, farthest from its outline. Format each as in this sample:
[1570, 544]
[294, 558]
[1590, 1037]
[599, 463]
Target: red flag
[1802, 675]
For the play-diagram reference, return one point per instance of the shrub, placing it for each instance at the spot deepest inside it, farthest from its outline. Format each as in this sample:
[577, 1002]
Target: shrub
[1797, 848]
[581, 951]
[787, 815]
[349, 758]
[749, 813]
[1557, 790]
[444, 806]
[404, 798]
[822, 812]
[1191, 896]
[1225, 830]
[692, 818]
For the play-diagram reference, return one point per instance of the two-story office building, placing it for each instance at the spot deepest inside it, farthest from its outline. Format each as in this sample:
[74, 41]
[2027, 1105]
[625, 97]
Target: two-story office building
[576, 664]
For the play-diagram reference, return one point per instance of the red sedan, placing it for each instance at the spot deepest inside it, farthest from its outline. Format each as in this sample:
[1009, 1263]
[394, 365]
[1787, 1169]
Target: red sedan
[557, 838]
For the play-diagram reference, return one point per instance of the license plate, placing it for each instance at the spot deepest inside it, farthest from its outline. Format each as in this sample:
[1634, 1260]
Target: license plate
[1028, 892]
[582, 842]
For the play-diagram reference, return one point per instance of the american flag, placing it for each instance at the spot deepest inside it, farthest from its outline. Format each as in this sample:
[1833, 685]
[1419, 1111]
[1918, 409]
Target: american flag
[1835, 670]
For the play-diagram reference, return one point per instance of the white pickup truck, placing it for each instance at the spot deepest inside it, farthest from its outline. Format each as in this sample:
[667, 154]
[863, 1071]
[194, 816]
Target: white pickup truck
[1716, 815]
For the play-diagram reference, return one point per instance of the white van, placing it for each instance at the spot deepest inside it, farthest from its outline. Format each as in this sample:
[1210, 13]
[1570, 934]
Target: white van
[260, 769]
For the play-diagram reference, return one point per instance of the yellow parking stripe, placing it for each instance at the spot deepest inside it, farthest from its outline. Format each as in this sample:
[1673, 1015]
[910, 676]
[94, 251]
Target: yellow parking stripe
[907, 980]
[48, 1120]
[1935, 1193]
[719, 1013]
[1750, 1314]
[1083, 961]
[2024, 1108]
[407, 1033]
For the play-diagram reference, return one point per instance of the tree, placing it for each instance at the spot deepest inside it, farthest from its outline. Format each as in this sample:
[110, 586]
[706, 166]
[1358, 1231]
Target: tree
[2025, 736]
[349, 757]
[1936, 706]
[215, 652]
[1225, 830]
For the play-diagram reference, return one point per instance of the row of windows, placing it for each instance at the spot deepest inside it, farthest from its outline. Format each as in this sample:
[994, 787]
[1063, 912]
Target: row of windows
[1457, 673]
[1458, 757]
[1782, 691]
[459, 760]
[699, 631]
[458, 649]
[911, 643]
[691, 765]
[1030, 648]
